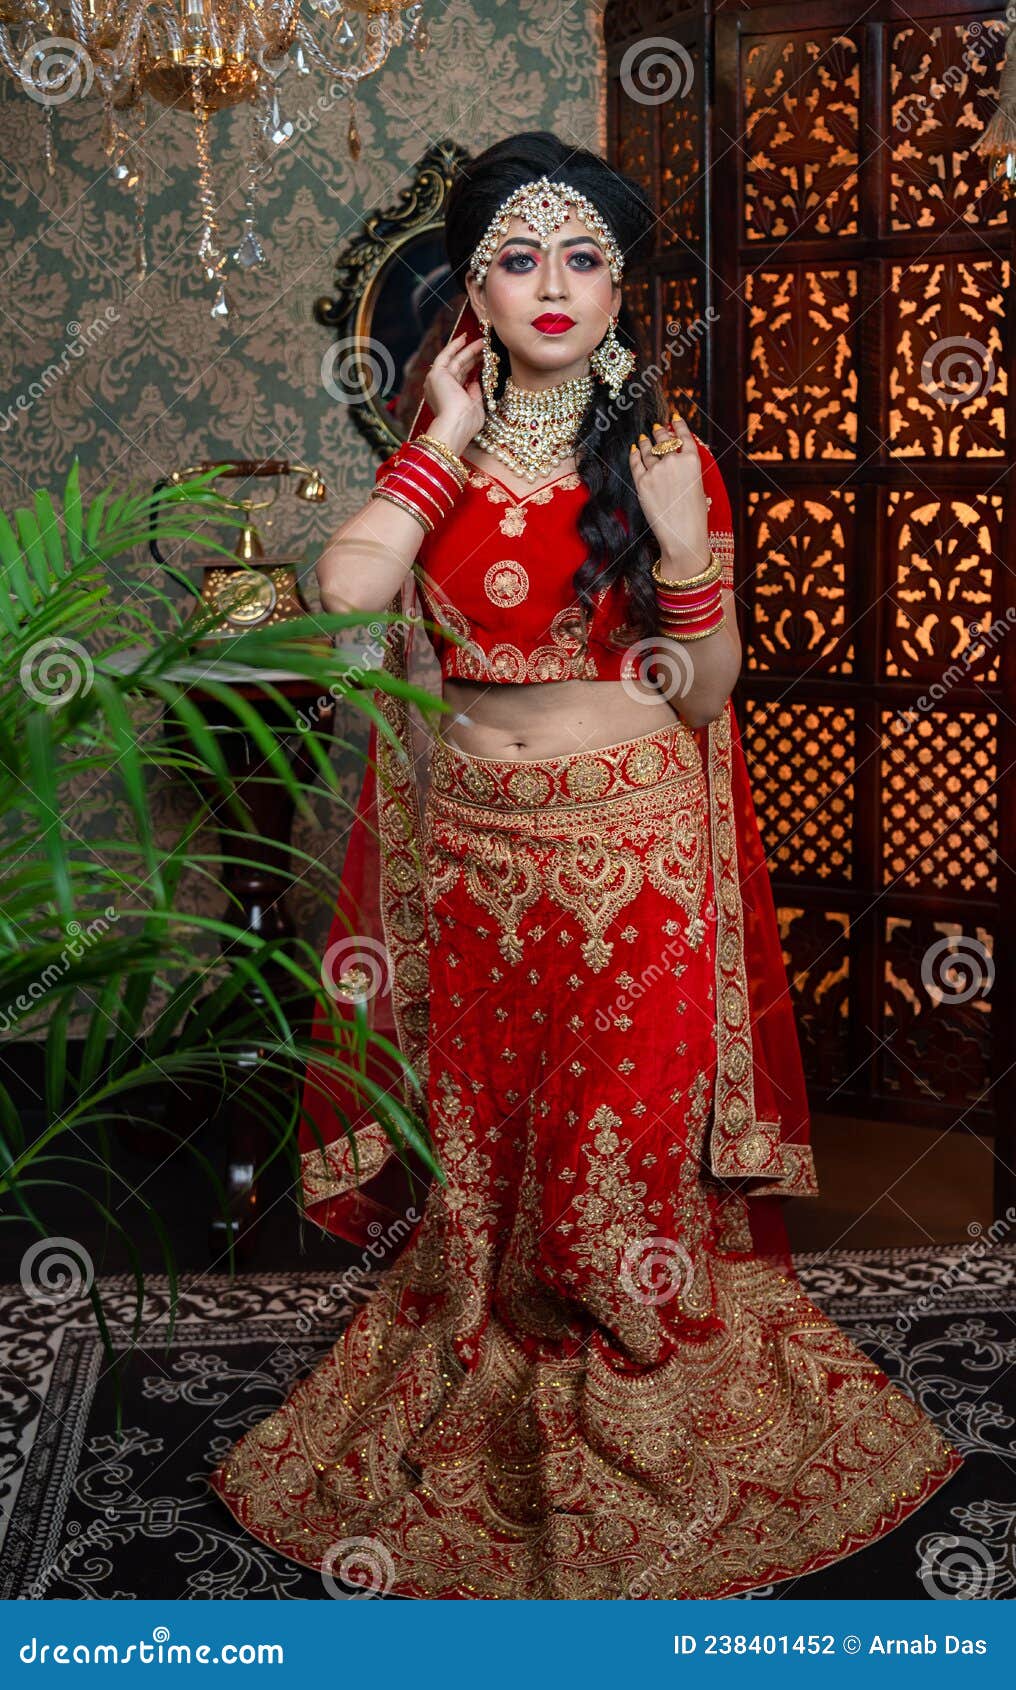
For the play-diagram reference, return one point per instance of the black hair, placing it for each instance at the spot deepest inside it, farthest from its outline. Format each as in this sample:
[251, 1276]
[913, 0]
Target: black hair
[607, 429]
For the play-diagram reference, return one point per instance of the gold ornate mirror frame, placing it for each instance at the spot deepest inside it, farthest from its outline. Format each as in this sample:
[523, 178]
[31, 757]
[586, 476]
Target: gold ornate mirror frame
[394, 304]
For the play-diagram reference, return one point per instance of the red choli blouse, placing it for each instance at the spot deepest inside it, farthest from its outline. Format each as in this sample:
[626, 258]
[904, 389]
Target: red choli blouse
[498, 571]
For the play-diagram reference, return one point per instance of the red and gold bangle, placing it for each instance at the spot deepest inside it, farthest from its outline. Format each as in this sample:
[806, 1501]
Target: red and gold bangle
[380, 492]
[692, 608]
[452, 459]
[698, 631]
[422, 482]
[424, 458]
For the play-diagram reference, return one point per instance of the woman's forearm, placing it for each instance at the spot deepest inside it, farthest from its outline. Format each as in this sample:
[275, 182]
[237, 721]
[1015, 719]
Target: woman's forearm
[366, 561]
[708, 669]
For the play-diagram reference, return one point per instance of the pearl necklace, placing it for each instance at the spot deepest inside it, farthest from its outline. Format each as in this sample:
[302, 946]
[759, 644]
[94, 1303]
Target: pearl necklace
[532, 429]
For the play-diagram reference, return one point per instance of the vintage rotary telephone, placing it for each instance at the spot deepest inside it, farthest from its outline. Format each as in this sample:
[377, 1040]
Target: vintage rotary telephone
[260, 588]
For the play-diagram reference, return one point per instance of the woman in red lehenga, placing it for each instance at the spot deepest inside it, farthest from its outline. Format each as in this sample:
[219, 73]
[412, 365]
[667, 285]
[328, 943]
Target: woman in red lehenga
[591, 1370]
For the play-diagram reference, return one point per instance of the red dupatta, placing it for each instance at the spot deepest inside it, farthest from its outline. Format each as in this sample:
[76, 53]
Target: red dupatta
[356, 1183]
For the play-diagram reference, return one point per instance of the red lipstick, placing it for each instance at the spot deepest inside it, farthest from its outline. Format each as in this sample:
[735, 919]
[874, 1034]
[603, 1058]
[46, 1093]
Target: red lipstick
[553, 323]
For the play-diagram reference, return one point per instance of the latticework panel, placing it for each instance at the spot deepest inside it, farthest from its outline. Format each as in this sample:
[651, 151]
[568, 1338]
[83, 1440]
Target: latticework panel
[802, 541]
[937, 982]
[683, 331]
[947, 376]
[682, 179]
[939, 799]
[852, 269]
[943, 82]
[816, 950]
[942, 557]
[801, 760]
[800, 114]
[801, 390]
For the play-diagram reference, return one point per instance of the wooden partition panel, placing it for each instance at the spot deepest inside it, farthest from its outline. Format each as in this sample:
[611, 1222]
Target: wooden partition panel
[830, 304]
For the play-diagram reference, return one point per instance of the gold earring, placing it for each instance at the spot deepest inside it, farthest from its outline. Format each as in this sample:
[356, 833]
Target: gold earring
[611, 361]
[490, 369]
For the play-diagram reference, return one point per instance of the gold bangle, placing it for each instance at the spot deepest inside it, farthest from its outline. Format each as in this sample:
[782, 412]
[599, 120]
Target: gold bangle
[443, 451]
[672, 634]
[442, 463]
[703, 579]
[404, 504]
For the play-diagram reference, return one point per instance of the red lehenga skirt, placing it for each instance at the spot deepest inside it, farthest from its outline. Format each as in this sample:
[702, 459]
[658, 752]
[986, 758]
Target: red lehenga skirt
[582, 1378]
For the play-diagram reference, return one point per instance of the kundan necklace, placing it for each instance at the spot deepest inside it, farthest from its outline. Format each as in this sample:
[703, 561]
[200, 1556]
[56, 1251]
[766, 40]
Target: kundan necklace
[530, 429]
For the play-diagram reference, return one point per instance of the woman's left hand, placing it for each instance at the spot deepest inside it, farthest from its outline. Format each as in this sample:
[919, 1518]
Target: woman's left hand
[671, 494]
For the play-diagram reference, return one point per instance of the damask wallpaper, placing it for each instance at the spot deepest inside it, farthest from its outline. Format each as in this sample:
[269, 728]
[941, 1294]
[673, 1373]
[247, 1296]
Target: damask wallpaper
[134, 374]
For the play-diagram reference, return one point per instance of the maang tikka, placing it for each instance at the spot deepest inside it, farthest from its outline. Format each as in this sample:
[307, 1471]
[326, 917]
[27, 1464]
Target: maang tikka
[544, 205]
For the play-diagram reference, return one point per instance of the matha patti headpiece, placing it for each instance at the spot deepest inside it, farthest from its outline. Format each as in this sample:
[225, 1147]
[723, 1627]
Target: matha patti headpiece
[545, 205]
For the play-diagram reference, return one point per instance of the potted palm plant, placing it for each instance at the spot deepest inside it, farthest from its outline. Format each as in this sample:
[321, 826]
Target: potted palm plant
[94, 952]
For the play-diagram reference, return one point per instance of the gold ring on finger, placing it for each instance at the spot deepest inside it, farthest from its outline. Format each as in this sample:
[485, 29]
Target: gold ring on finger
[662, 447]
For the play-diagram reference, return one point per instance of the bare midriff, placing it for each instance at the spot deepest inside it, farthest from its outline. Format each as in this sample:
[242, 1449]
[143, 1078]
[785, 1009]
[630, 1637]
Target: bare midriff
[547, 718]
[550, 718]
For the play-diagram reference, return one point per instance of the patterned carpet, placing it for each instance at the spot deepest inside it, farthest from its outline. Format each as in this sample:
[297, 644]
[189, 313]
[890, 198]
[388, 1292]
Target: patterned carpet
[86, 1515]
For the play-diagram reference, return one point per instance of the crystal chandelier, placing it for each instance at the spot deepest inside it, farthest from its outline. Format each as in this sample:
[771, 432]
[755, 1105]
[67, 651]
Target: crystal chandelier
[197, 55]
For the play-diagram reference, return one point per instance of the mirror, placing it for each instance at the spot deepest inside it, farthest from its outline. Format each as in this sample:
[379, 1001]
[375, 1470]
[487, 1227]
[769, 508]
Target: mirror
[395, 304]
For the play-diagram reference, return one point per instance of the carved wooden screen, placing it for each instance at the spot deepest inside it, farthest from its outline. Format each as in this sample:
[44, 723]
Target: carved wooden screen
[829, 299]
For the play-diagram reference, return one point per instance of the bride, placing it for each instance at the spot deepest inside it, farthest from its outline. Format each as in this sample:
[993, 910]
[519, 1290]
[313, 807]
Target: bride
[589, 1370]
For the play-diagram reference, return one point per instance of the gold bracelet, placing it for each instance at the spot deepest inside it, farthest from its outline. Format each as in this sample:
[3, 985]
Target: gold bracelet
[672, 634]
[404, 504]
[705, 577]
[451, 458]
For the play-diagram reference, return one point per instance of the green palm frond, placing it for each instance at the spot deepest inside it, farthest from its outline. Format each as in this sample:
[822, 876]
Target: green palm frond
[91, 937]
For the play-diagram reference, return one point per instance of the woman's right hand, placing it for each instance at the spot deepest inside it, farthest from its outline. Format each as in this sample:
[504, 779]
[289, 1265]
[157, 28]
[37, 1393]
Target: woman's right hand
[452, 392]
